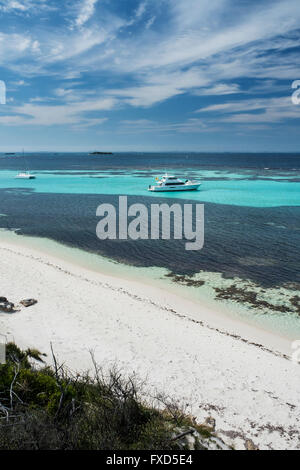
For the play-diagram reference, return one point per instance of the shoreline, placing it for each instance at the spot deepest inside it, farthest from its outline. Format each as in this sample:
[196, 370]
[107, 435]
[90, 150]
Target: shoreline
[177, 347]
[222, 317]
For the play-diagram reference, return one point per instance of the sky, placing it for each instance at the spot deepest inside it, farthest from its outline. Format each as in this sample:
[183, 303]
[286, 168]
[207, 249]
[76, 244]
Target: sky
[150, 75]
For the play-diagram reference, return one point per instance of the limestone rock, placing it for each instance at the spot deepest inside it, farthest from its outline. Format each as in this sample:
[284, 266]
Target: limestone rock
[249, 445]
[28, 302]
[6, 306]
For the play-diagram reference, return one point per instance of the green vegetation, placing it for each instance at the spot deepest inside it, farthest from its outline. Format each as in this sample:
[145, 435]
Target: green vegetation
[49, 408]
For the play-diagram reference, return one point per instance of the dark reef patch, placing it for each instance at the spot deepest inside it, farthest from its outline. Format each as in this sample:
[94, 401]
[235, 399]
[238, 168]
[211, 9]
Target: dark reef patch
[238, 243]
[242, 295]
[295, 301]
[184, 280]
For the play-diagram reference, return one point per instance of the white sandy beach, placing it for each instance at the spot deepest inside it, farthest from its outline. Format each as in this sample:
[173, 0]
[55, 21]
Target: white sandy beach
[252, 390]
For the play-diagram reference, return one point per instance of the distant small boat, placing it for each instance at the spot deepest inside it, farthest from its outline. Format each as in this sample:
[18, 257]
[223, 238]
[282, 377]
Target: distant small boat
[25, 175]
[171, 183]
[9, 153]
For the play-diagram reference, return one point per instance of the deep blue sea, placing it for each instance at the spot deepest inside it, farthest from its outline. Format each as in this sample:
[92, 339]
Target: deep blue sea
[252, 211]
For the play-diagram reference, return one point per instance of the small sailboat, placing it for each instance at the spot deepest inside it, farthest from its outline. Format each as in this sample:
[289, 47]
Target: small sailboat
[171, 183]
[25, 175]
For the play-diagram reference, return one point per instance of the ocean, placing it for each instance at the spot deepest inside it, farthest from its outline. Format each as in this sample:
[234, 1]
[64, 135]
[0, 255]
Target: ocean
[251, 254]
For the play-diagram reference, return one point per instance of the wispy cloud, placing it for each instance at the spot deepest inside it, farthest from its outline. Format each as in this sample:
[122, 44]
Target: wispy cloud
[249, 105]
[86, 11]
[8, 5]
[205, 42]
[254, 110]
[142, 126]
[219, 89]
[141, 9]
[146, 95]
[19, 6]
[15, 46]
[145, 53]
[73, 113]
[159, 87]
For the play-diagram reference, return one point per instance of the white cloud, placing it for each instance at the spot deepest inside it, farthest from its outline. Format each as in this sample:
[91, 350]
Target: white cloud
[19, 83]
[19, 6]
[64, 47]
[14, 5]
[73, 113]
[248, 105]
[14, 47]
[86, 11]
[265, 110]
[227, 45]
[141, 126]
[141, 9]
[146, 95]
[198, 31]
[150, 22]
[183, 46]
[138, 13]
[165, 62]
[50, 49]
[159, 87]
[219, 89]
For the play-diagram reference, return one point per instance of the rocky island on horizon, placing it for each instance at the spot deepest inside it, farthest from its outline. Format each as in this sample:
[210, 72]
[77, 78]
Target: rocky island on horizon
[100, 153]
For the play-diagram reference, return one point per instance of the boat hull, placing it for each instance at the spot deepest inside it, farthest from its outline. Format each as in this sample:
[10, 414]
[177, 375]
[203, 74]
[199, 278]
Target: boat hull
[187, 187]
[25, 177]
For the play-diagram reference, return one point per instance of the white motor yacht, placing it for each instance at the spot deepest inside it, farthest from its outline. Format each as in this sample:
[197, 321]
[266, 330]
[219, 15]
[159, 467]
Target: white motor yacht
[171, 183]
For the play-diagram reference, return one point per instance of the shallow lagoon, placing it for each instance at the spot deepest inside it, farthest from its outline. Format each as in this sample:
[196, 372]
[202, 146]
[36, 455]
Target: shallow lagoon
[222, 188]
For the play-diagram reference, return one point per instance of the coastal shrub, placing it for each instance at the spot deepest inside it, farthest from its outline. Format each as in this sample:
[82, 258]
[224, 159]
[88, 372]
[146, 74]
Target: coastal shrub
[49, 408]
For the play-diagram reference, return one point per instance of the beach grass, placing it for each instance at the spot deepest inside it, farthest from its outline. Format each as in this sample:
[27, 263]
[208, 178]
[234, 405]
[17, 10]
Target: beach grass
[49, 408]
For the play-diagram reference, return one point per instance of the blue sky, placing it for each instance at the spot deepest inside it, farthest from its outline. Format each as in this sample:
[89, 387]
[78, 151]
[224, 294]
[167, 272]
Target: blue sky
[150, 75]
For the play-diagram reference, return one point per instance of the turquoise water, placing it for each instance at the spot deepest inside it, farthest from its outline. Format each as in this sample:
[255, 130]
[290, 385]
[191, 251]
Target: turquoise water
[220, 187]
